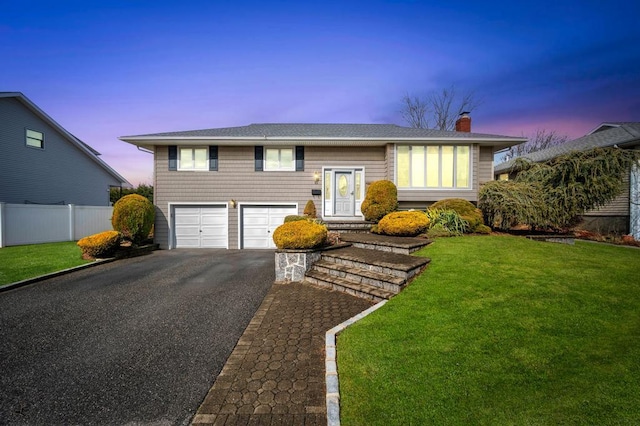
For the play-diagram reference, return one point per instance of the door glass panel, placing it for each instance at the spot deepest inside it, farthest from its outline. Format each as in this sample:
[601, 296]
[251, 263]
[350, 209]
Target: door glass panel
[343, 185]
[327, 185]
[358, 185]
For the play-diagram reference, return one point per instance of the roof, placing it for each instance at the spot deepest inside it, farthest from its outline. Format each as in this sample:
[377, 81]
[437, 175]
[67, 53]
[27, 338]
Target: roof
[315, 134]
[82, 146]
[605, 135]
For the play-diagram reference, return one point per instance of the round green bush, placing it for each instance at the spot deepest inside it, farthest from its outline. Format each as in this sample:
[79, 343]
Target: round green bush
[133, 217]
[403, 224]
[301, 234]
[381, 199]
[464, 208]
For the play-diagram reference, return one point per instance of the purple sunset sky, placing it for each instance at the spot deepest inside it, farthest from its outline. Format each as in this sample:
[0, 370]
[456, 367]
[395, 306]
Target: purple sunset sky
[137, 67]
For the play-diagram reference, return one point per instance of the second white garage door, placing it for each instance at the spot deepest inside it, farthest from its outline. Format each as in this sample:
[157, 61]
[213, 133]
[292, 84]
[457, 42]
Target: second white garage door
[259, 222]
[201, 226]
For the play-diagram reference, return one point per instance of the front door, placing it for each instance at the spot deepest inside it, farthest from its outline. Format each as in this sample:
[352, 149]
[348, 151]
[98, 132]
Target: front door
[344, 200]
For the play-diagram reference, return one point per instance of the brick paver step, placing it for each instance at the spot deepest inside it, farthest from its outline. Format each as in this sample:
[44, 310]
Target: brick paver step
[345, 285]
[360, 275]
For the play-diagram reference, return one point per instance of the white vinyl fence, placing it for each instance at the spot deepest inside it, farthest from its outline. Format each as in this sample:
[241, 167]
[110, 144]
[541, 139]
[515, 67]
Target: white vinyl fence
[33, 224]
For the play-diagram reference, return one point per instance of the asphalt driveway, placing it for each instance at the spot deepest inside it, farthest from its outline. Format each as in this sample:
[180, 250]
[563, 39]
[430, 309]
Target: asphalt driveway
[137, 341]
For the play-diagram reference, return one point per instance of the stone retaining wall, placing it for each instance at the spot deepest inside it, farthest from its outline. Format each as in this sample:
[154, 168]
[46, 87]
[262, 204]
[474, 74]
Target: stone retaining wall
[291, 265]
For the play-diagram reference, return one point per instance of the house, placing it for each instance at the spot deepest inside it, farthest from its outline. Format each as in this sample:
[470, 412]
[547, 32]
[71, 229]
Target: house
[231, 187]
[622, 215]
[42, 163]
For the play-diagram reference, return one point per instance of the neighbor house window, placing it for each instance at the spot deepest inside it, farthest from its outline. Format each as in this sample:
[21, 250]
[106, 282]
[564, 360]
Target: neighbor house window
[433, 166]
[193, 158]
[35, 139]
[503, 176]
[279, 159]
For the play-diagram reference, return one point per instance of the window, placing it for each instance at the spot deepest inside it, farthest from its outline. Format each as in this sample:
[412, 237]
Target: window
[279, 159]
[433, 166]
[193, 159]
[35, 139]
[503, 176]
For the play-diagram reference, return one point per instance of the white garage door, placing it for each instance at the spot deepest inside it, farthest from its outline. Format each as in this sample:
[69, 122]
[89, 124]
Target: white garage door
[200, 226]
[259, 222]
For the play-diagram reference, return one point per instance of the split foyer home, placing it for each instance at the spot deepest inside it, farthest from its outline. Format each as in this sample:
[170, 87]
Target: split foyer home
[42, 163]
[622, 215]
[231, 187]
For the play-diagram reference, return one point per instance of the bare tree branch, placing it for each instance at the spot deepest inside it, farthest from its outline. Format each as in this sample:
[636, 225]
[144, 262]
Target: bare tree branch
[443, 106]
[414, 111]
[540, 139]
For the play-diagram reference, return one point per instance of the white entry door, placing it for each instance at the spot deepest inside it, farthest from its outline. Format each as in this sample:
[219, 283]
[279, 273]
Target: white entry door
[344, 200]
[201, 226]
[259, 222]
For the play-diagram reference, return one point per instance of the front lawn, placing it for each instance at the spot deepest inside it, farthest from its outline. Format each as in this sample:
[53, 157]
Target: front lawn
[501, 330]
[22, 262]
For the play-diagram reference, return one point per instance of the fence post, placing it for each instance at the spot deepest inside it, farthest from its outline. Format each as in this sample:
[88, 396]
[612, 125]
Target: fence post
[2, 225]
[72, 222]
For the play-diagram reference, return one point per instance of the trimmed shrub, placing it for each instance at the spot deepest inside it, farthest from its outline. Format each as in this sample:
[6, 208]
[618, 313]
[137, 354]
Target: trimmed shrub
[310, 209]
[403, 224]
[294, 218]
[464, 208]
[301, 234]
[381, 199]
[100, 245]
[133, 217]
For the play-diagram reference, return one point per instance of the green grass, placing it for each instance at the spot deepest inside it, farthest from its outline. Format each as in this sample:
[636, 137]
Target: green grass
[501, 331]
[22, 262]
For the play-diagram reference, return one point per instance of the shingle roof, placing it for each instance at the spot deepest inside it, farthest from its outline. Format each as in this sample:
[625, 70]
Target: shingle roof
[329, 131]
[621, 133]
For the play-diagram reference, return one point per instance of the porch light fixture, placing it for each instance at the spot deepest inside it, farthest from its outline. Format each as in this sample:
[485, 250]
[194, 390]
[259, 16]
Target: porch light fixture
[233, 204]
[316, 176]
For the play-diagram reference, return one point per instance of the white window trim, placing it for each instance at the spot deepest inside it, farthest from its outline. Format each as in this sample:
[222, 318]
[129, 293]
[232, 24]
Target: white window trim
[280, 169]
[439, 188]
[27, 138]
[180, 168]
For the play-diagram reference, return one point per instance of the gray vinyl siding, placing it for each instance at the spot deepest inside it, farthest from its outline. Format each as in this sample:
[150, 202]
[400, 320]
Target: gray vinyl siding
[236, 179]
[618, 207]
[60, 172]
[485, 165]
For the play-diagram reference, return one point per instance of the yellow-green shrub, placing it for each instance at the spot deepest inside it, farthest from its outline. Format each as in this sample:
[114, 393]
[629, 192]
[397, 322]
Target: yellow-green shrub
[464, 208]
[301, 234]
[403, 224]
[103, 244]
[381, 199]
[294, 218]
[482, 229]
[133, 217]
[310, 209]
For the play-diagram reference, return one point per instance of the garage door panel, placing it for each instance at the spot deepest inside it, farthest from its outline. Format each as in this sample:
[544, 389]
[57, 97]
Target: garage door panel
[258, 224]
[205, 226]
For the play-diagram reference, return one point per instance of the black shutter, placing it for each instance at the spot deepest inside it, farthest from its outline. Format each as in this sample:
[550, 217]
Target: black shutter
[213, 158]
[259, 158]
[299, 158]
[173, 157]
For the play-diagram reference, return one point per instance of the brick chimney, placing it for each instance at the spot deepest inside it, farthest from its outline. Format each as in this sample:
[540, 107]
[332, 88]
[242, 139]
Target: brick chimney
[463, 124]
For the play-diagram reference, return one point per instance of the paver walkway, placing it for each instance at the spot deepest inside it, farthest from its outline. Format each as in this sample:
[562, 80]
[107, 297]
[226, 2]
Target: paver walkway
[275, 375]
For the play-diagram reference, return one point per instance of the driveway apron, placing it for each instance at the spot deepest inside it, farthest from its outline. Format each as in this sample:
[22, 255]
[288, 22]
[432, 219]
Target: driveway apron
[137, 341]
